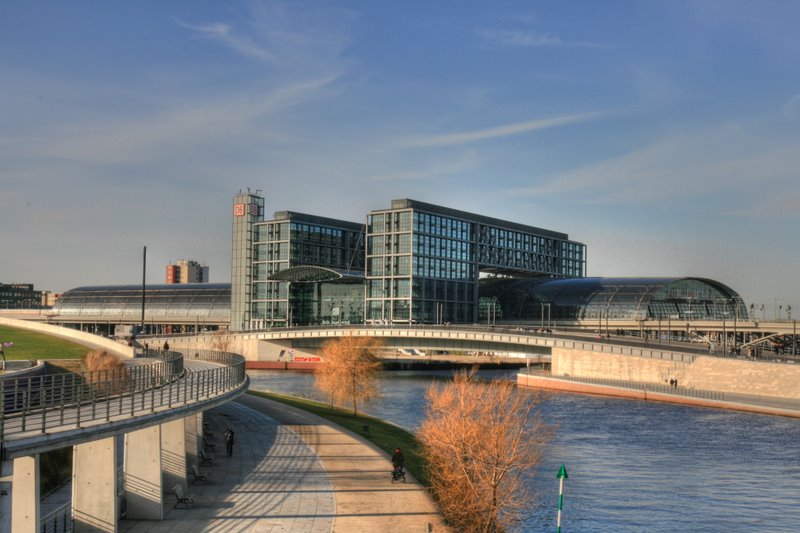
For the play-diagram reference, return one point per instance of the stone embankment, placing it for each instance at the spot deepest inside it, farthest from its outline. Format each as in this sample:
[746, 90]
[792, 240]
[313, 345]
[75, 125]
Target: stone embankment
[737, 384]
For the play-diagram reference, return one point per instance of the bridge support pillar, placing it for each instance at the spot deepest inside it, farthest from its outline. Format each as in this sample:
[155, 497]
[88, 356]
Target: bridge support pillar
[173, 453]
[193, 431]
[19, 499]
[142, 467]
[94, 486]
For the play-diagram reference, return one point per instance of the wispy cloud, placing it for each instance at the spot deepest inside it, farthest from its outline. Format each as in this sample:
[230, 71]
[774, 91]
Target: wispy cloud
[792, 107]
[226, 36]
[281, 34]
[519, 38]
[140, 138]
[505, 130]
[526, 38]
[718, 162]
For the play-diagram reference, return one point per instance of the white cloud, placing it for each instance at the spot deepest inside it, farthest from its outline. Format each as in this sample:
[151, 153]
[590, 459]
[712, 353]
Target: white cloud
[792, 107]
[505, 130]
[527, 38]
[718, 161]
[224, 34]
[519, 38]
[285, 35]
[140, 138]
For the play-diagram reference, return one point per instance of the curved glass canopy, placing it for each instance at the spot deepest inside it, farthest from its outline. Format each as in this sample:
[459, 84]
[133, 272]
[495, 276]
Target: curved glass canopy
[615, 298]
[316, 274]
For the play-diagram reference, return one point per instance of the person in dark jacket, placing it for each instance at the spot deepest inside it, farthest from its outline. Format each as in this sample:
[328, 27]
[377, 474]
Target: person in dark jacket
[398, 464]
[230, 438]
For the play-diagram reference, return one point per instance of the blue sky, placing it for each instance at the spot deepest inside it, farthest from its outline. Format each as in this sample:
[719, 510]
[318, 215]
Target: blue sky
[664, 135]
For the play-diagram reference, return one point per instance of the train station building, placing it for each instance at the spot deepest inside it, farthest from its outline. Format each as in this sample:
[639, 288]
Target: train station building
[412, 262]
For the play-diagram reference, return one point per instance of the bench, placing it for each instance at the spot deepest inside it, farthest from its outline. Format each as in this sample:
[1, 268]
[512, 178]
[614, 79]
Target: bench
[184, 499]
[208, 445]
[206, 458]
[199, 475]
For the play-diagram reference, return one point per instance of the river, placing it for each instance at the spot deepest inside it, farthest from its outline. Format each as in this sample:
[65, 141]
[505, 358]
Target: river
[632, 466]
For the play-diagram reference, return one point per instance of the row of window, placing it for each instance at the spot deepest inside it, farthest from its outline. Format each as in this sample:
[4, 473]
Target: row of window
[389, 266]
[271, 231]
[389, 222]
[420, 289]
[399, 243]
[443, 226]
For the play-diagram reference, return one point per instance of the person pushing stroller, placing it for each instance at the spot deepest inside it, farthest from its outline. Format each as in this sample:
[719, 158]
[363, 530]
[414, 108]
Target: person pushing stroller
[398, 466]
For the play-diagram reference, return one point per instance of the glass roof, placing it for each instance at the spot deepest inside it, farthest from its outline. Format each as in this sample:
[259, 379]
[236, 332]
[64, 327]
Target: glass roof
[315, 274]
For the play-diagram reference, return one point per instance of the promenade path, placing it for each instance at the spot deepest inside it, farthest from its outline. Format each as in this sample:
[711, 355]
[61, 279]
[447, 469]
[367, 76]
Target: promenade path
[292, 471]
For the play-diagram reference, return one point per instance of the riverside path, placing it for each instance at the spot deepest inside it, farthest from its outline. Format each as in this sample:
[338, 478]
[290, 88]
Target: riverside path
[292, 471]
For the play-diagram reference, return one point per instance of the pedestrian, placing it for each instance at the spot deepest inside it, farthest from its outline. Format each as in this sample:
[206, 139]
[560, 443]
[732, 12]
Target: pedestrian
[398, 463]
[166, 346]
[230, 438]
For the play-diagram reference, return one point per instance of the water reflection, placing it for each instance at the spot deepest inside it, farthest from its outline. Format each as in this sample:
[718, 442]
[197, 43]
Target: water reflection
[633, 466]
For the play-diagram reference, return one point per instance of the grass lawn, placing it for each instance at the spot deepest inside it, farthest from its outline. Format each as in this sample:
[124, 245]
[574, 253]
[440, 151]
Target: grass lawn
[33, 345]
[384, 435]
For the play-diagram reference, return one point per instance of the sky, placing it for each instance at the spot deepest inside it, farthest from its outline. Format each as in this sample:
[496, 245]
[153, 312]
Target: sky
[665, 135]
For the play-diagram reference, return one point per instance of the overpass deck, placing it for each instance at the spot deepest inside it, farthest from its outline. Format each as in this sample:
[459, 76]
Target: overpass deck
[42, 413]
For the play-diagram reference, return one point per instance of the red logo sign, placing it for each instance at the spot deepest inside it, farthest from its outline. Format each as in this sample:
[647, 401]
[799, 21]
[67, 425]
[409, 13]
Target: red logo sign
[238, 210]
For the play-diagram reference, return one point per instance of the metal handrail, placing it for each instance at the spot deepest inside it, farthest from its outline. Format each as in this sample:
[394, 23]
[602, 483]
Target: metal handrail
[43, 404]
[58, 520]
[636, 385]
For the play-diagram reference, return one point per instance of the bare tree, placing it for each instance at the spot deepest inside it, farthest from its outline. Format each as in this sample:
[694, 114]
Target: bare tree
[220, 341]
[348, 371]
[481, 442]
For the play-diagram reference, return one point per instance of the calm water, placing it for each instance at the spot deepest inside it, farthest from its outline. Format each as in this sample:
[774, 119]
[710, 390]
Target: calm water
[633, 466]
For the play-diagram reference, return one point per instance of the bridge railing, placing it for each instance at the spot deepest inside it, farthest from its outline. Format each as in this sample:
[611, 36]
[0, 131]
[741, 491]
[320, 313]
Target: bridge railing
[636, 385]
[69, 400]
[58, 520]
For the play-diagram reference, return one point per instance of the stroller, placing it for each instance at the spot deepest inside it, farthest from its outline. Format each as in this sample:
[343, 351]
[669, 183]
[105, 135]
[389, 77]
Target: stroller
[398, 474]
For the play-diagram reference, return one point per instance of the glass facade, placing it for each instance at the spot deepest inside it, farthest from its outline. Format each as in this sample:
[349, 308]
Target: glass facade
[614, 298]
[291, 240]
[424, 261]
[194, 303]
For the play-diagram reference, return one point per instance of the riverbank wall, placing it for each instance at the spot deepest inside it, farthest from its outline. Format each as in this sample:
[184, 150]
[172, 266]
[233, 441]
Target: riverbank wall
[550, 383]
[719, 374]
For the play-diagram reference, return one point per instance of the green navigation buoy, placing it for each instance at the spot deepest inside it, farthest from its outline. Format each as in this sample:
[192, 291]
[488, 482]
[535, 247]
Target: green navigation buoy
[562, 475]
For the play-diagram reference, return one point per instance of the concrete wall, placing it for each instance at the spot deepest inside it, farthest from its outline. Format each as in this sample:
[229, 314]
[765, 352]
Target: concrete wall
[94, 342]
[706, 373]
[614, 366]
[250, 346]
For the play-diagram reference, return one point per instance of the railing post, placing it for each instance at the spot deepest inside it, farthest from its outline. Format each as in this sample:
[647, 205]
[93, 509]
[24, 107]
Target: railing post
[92, 396]
[43, 397]
[25, 403]
[61, 400]
[132, 389]
[78, 405]
[2, 410]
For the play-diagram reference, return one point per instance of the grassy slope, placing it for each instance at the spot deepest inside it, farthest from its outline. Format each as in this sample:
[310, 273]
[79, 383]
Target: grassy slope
[384, 435]
[33, 345]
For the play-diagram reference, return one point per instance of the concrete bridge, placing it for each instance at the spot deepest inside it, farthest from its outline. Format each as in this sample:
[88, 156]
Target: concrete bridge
[155, 402]
[573, 354]
[303, 343]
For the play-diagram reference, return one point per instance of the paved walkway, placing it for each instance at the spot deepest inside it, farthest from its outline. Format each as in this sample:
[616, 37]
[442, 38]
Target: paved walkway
[292, 471]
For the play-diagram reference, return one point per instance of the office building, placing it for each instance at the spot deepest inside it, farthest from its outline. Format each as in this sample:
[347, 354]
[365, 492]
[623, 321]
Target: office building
[186, 271]
[424, 261]
[20, 296]
[307, 270]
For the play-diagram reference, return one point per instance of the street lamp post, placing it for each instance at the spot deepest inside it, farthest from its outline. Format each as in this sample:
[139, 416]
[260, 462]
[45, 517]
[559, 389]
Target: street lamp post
[549, 315]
